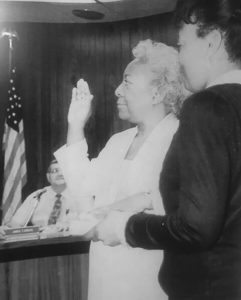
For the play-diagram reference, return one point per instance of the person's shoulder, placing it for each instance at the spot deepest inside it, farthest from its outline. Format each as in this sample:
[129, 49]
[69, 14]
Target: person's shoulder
[208, 110]
[206, 96]
[39, 192]
[217, 93]
[219, 89]
[208, 102]
[229, 92]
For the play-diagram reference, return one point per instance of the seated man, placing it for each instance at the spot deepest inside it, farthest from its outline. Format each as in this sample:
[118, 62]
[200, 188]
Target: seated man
[47, 206]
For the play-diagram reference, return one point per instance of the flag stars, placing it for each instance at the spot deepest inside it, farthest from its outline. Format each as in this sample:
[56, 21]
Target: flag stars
[14, 107]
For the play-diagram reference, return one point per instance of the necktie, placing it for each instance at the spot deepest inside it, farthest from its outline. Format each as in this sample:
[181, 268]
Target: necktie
[56, 210]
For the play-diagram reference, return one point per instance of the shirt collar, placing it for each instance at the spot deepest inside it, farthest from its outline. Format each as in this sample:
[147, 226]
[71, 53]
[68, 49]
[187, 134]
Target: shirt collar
[167, 126]
[169, 119]
[233, 76]
[52, 192]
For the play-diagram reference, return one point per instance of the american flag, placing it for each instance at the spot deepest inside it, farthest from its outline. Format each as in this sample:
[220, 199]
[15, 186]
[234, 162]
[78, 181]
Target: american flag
[15, 173]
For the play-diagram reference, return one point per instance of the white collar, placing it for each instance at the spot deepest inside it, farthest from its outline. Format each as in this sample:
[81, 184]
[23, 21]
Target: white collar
[52, 192]
[169, 122]
[233, 76]
[167, 126]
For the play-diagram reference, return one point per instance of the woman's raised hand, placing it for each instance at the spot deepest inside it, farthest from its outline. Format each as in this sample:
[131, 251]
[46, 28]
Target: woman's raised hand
[80, 107]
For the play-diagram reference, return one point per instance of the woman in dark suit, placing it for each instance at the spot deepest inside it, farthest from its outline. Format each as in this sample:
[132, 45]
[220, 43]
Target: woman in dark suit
[201, 178]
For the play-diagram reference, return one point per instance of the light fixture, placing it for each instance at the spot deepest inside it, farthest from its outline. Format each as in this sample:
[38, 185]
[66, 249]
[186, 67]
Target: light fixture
[10, 34]
[88, 14]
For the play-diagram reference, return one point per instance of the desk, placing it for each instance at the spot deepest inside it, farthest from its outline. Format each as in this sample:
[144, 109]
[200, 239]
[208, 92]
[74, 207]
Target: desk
[42, 248]
[45, 269]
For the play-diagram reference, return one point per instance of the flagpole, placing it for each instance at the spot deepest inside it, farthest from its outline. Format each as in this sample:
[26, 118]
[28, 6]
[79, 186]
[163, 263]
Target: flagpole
[10, 40]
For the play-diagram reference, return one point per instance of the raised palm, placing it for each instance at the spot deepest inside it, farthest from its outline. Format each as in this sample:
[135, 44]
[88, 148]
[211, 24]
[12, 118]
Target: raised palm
[80, 107]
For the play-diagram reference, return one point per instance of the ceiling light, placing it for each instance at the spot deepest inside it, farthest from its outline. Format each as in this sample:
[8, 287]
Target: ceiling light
[88, 14]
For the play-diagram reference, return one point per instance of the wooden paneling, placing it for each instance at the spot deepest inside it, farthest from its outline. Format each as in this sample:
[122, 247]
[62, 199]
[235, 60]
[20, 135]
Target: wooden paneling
[50, 278]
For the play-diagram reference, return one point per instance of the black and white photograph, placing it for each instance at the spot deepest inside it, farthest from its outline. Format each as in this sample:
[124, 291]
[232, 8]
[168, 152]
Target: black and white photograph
[120, 161]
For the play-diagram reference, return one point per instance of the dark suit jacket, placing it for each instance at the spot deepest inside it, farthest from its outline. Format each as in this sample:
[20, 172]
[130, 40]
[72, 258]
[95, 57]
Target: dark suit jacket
[201, 188]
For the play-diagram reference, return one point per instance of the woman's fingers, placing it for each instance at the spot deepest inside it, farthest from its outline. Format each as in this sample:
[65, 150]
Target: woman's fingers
[83, 92]
[80, 107]
[86, 88]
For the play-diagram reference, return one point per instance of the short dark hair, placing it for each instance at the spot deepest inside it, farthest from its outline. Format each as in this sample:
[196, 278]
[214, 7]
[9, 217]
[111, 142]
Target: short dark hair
[224, 15]
[53, 161]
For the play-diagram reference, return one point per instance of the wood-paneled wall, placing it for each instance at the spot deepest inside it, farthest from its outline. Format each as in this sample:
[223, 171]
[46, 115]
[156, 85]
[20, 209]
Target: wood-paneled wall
[50, 278]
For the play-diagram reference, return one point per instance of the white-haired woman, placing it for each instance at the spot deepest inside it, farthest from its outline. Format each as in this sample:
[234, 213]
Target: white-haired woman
[149, 96]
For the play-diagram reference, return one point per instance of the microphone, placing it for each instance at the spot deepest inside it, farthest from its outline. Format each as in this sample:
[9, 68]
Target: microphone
[38, 196]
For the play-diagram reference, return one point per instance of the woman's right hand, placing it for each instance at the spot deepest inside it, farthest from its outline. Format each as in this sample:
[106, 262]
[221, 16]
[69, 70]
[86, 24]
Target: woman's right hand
[80, 107]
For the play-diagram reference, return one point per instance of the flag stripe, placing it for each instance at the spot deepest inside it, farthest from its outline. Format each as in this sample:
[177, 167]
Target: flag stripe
[5, 136]
[12, 137]
[24, 179]
[12, 197]
[23, 158]
[9, 161]
[16, 168]
[12, 176]
[14, 204]
[11, 192]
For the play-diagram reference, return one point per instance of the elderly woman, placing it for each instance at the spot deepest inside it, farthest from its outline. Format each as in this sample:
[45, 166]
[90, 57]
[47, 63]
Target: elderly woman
[149, 96]
[201, 177]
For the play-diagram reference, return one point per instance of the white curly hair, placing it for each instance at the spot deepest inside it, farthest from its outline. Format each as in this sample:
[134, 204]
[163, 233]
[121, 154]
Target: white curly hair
[164, 64]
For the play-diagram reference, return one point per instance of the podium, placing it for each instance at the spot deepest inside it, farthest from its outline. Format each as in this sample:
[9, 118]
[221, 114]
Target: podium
[45, 269]
[55, 246]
